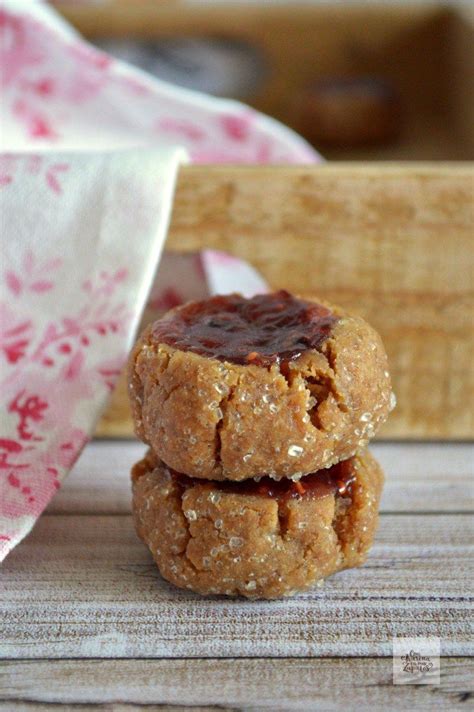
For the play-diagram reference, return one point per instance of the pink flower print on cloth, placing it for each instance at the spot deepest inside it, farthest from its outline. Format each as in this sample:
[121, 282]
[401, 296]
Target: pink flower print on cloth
[78, 262]
[60, 92]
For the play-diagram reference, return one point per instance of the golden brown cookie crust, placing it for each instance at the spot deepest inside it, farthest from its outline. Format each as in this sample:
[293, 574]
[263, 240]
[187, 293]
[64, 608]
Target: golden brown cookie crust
[214, 541]
[220, 420]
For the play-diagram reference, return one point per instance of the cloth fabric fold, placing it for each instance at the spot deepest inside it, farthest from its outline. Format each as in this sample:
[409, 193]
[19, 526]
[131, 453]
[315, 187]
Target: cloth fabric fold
[82, 237]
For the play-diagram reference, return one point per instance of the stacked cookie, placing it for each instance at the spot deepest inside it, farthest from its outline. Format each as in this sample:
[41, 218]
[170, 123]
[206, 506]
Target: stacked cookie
[257, 413]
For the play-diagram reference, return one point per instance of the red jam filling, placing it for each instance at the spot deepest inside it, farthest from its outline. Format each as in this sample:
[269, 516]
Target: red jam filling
[266, 329]
[336, 480]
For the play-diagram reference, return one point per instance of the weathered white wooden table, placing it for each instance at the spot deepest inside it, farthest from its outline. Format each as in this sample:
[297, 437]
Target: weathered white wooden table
[85, 618]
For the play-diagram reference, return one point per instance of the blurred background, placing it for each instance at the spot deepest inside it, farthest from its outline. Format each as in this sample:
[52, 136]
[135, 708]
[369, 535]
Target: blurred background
[360, 80]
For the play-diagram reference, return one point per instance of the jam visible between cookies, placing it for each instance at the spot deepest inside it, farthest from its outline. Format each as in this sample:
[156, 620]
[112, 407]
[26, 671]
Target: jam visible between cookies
[337, 480]
[267, 329]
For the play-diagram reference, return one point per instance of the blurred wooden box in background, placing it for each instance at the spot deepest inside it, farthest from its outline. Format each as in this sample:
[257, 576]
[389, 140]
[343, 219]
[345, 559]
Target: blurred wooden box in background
[392, 242]
[424, 50]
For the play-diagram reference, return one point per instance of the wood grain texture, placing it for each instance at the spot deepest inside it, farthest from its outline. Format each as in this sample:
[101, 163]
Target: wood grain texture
[84, 586]
[326, 684]
[420, 477]
[391, 242]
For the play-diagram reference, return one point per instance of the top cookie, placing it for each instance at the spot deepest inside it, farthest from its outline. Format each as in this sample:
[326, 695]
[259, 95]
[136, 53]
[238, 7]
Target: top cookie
[232, 388]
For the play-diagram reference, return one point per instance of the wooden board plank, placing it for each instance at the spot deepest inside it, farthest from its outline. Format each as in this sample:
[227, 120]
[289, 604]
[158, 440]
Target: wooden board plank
[420, 477]
[288, 684]
[372, 238]
[99, 483]
[84, 586]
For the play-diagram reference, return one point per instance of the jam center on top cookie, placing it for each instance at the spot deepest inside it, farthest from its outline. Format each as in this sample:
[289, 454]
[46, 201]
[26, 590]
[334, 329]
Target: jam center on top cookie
[266, 329]
[336, 480]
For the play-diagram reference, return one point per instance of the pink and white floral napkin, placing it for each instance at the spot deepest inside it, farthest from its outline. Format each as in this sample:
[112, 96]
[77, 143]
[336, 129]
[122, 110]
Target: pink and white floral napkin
[90, 150]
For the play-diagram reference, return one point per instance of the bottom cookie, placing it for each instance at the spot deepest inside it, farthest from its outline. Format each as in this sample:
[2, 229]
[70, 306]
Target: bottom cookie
[261, 539]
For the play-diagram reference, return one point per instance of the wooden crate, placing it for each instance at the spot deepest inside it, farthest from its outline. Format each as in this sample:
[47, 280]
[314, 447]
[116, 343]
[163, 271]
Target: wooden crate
[392, 242]
[424, 50]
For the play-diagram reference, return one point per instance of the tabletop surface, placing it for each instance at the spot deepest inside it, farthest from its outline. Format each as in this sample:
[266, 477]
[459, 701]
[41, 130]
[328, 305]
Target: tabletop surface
[85, 618]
